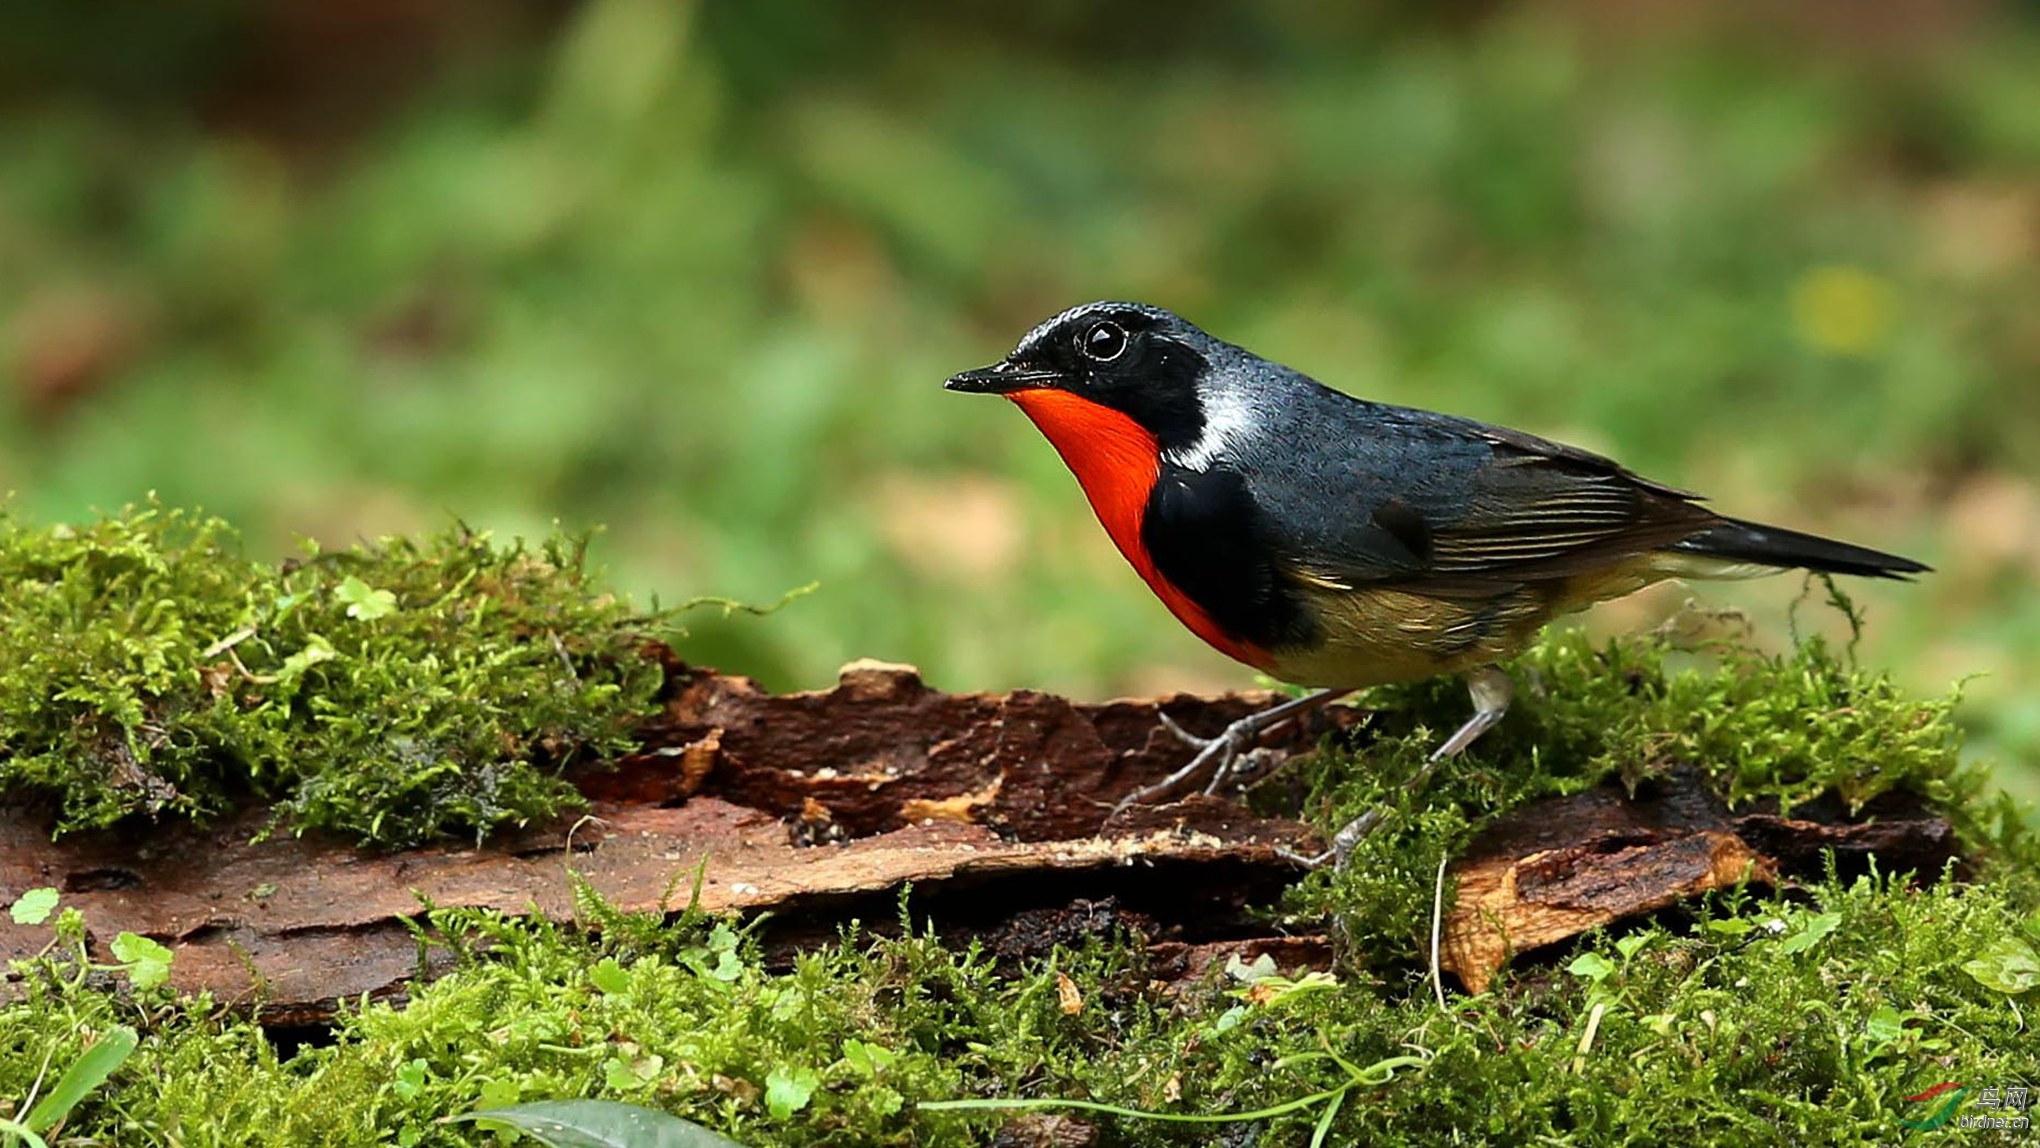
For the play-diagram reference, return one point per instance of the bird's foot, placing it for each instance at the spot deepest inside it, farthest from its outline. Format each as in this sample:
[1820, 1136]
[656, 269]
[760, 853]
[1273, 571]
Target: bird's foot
[1491, 691]
[1236, 763]
[1225, 754]
[1350, 836]
[1214, 753]
[1184, 735]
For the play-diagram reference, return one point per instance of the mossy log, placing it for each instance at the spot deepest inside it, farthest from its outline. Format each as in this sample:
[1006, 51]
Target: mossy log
[817, 807]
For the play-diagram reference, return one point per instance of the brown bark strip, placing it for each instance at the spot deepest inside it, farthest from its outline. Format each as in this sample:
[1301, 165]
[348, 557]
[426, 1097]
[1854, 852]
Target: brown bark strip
[1558, 868]
[291, 928]
[882, 750]
[949, 792]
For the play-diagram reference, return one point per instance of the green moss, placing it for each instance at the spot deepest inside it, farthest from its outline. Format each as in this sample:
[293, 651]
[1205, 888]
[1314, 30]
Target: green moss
[1807, 1031]
[453, 677]
[1757, 727]
[392, 692]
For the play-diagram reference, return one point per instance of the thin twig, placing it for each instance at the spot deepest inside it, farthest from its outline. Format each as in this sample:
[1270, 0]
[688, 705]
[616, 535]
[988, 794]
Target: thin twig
[1579, 1063]
[228, 642]
[1437, 927]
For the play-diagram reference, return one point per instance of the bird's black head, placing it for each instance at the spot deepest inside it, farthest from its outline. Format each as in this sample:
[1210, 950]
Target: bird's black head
[1140, 360]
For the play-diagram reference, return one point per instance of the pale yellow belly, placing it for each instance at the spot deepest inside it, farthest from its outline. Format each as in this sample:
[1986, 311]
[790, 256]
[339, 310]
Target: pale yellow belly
[1375, 636]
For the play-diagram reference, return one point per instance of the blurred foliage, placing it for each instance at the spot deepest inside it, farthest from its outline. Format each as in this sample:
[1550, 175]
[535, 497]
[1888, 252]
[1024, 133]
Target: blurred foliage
[696, 273]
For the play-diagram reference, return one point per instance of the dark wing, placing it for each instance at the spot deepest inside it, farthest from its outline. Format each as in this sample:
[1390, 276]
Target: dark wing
[1462, 508]
[1542, 513]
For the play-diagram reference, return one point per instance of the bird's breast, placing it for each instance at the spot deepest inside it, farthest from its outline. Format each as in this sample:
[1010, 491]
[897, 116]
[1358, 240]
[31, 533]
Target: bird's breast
[1117, 462]
[1114, 458]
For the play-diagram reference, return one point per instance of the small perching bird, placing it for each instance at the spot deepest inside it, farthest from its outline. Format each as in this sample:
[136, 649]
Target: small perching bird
[1334, 542]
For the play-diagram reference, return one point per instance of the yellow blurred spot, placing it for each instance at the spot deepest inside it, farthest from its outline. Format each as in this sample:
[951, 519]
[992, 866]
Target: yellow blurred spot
[962, 527]
[1843, 310]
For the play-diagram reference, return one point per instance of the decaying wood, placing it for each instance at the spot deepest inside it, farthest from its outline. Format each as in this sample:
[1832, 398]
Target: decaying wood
[882, 750]
[1037, 1130]
[1555, 869]
[818, 806]
[291, 928]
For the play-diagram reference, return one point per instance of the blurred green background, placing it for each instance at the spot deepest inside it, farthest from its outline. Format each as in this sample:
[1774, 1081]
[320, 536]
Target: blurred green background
[696, 273]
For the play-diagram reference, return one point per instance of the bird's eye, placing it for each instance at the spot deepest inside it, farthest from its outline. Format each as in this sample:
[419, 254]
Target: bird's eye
[1103, 343]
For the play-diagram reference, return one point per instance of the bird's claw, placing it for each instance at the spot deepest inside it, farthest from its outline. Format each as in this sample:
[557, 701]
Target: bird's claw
[1242, 765]
[1225, 747]
[1343, 843]
[1224, 753]
[1184, 735]
[1314, 861]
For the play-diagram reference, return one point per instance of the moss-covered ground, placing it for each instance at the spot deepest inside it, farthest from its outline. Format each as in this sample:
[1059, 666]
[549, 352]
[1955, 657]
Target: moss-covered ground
[1804, 1015]
[392, 692]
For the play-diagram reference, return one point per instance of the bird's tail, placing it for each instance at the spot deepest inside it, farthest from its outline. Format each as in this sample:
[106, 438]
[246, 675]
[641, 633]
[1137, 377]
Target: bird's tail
[1736, 543]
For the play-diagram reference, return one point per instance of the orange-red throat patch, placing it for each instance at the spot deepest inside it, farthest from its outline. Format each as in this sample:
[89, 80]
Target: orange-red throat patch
[1117, 461]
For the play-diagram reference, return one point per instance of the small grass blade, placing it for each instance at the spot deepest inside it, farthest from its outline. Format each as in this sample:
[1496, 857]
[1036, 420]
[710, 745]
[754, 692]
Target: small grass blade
[1018, 1104]
[86, 1073]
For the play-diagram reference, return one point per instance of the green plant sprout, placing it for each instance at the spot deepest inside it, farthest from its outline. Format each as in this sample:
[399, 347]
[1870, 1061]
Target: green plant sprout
[1378, 1073]
[106, 1052]
[144, 961]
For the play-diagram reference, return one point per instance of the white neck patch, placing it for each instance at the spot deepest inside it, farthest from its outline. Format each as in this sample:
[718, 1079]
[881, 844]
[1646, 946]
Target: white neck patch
[1228, 419]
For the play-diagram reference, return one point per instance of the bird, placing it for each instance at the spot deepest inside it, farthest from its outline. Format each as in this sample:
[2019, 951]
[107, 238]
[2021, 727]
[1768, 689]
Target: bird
[1338, 543]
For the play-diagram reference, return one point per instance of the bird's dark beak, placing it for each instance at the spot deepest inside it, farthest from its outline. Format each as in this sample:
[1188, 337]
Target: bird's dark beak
[1002, 378]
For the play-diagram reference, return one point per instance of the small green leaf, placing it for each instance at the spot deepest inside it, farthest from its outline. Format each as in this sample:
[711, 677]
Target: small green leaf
[2008, 966]
[1245, 973]
[1592, 966]
[501, 1092]
[86, 1074]
[1886, 1024]
[1730, 927]
[787, 1090]
[130, 947]
[35, 906]
[316, 650]
[411, 1078]
[147, 961]
[728, 966]
[627, 1074]
[608, 976]
[1629, 945]
[1817, 926]
[867, 1059]
[363, 602]
[598, 1124]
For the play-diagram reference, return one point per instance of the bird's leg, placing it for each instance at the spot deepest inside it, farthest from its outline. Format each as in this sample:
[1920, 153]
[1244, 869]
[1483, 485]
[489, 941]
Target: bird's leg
[1492, 691]
[1227, 746]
